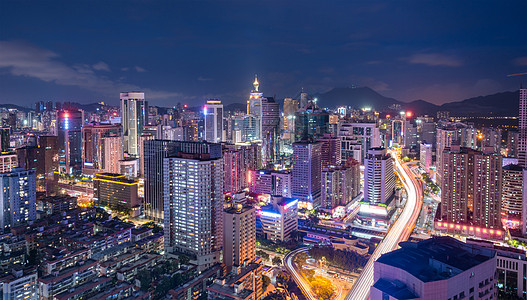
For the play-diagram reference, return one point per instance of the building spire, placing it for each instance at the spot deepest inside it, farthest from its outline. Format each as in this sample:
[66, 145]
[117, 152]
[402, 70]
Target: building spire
[255, 83]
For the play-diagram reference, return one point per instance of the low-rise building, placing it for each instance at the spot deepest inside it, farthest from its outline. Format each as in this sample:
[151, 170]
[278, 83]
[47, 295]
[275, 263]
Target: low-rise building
[61, 281]
[437, 268]
[279, 218]
[243, 283]
[19, 283]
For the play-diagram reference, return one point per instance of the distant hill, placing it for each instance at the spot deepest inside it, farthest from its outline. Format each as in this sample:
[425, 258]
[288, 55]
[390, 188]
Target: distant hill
[17, 107]
[500, 104]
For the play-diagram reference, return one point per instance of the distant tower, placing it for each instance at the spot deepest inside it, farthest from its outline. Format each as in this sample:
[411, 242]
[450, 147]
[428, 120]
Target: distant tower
[134, 114]
[522, 147]
[256, 84]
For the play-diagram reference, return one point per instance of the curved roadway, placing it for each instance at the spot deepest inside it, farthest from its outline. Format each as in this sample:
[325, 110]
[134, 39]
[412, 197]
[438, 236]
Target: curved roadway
[297, 277]
[400, 231]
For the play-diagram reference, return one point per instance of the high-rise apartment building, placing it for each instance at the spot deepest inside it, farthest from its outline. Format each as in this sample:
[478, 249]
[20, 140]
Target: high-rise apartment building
[280, 218]
[213, 120]
[134, 115]
[4, 139]
[8, 162]
[340, 184]
[193, 206]
[471, 190]
[307, 167]
[155, 152]
[331, 150]
[97, 145]
[270, 182]
[512, 195]
[522, 128]
[365, 135]
[311, 122]
[379, 176]
[239, 229]
[17, 198]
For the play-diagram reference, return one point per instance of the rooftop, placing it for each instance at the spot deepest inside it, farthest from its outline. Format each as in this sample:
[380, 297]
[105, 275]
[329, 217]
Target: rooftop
[395, 289]
[430, 259]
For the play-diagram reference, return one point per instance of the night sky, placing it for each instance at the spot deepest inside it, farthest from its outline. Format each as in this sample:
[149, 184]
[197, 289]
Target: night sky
[187, 51]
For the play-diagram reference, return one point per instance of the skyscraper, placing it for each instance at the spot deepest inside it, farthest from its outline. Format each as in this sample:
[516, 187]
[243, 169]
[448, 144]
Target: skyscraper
[331, 150]
[254, 104]
[155, 152]
[379, 177]
[307, 167]
[193, 206]
[4, 139]
[213, 120]
[522, 128]
[270, 130]
[512, 201]
[69, 140]
[134, 115]
[17, 198]
[471, 189]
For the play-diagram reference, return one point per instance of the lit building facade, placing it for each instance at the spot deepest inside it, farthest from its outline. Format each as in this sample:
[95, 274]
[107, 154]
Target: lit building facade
[94, 149]
[239, 229]
[116, 192]
[213, 120]
[307, 168]
[379, 176]
[17, 198]
[279, 218]
[134, 115]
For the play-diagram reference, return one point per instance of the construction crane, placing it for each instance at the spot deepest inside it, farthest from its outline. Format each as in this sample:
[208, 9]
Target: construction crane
[517, 74]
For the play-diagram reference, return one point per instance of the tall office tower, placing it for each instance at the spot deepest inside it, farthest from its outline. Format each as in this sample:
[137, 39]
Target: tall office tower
[112, 154]
[279, 218]
[410, 136]
[471, 190]
[141, 147]
[17, 198]
[155, 152]
[331, 150]
[512, 143]
[134, 115]
[425, 156]
[311, 122]
[213, 120]
[94, 150]
[8, 162]
[270, 131]
[379, 177]
[512, 199]
[193, 206]
[491, 137]
[304, 101]
[239, 229]
[69, 134]
[4, 139]
[290, 108]
[522, 128]
[359, 136]
[307, 167]
[398, 132]
[254, 104]
[426, 130]
[251, 128]
[340, 184]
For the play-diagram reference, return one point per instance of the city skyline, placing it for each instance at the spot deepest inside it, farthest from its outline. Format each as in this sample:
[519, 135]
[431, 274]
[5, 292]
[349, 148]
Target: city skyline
[180, 52]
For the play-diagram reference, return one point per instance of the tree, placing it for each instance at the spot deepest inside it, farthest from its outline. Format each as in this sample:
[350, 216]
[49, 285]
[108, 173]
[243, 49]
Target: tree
[262, 254]
[184, 259]
[277, 261]
[265, 282]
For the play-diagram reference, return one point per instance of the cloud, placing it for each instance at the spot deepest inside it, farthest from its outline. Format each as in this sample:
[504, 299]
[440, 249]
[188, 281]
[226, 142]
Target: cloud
[101, 66]
[139, 69]
[125, 69]
[434, 59]
[201, 78]
[521, 61]
[27, 60]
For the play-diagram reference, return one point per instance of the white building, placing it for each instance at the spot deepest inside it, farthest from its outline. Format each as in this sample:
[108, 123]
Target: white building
[279, 218]
[425, 156]
[17, 198]
[134, 114]
[8, 162]
[193, 207]
[379, 177]
[21, 284]
[437, 268]
[213, 115]
[275, 183]
[367, 134]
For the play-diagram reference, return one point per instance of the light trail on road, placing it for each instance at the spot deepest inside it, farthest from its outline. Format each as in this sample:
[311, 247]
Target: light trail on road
[400, 231]
[297, 277]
